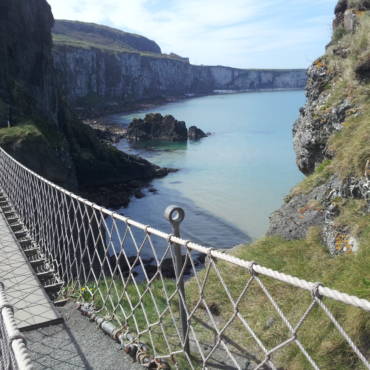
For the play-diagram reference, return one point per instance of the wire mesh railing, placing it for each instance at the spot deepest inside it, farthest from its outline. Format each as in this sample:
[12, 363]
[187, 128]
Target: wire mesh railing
[13, 351]
[192, 306]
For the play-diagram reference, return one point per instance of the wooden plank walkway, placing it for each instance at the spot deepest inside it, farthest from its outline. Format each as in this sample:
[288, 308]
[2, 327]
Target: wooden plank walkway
[32, 307]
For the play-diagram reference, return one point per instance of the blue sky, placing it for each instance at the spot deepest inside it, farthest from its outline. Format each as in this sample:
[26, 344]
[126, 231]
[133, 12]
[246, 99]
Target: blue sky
[238, 33]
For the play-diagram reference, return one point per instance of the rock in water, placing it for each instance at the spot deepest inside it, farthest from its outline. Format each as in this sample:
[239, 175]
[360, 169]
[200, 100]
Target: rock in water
[196, 133]
[157, 127]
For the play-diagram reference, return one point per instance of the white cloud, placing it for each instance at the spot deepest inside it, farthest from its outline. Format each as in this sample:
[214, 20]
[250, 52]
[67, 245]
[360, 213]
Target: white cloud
[229, 32]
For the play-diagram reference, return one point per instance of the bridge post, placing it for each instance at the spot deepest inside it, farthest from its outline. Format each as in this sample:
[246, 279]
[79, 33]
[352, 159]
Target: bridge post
[175, 215]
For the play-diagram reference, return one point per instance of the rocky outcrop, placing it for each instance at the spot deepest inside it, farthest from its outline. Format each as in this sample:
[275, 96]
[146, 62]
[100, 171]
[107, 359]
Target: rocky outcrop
[316, 124]
[195, 133]
[107, 132]
[362, 69]
[166, 128]
[334, 103]
[98, 79]
[157, 127]
[318, 207]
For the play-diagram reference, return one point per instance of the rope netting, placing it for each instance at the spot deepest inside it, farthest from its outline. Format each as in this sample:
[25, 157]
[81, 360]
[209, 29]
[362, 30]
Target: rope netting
[208, 310]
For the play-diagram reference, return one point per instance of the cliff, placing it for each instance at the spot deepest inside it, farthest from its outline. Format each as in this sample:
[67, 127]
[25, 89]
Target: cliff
[331, 140]
[98, 77]
[44, 134]
[322, 231]
[81, 33]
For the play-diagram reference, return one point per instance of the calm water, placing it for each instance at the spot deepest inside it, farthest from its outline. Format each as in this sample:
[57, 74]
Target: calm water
[230, 182]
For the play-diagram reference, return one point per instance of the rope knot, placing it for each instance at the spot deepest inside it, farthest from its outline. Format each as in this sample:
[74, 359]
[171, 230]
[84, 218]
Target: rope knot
[186, 243]
[315, 290]
[7, 305]
[169, 238]
[251, 269]
[16, 337]
[209, 252]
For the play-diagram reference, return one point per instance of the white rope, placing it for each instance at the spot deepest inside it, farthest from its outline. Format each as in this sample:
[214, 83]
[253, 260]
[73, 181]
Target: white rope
[98, 252]
[15, 346]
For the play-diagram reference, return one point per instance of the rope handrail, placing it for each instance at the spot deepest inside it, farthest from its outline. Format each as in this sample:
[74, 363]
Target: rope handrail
[134, 273]
[13, 350]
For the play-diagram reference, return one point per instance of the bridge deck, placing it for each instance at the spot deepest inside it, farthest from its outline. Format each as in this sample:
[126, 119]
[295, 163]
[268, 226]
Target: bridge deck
[32, 307]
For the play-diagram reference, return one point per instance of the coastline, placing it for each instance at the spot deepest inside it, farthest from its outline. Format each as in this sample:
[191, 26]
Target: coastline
[183, 175]
[156, 102]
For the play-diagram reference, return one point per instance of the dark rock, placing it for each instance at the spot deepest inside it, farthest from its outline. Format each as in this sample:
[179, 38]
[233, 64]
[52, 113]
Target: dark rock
[124, 263]
[157, 127]
[339, 11]
[139, 194]
[341, 52]
[296, 216]
[168, 270]
[362, 70]
[109, 133]
[215, 309]
[195, 133]
[315, 208]
[200, 260]
[341, 7]
[363, 5]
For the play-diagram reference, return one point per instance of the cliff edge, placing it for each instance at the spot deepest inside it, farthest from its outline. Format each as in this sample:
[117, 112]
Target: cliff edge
[331, 140]
[101, 74]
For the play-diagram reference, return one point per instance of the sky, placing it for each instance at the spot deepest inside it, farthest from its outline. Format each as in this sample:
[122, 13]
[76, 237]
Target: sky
[236, 33]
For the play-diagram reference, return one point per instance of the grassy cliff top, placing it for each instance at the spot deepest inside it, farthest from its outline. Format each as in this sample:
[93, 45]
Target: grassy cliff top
[91, 35]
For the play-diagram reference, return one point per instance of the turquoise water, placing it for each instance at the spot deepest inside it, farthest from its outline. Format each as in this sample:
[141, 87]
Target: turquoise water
[230, 182]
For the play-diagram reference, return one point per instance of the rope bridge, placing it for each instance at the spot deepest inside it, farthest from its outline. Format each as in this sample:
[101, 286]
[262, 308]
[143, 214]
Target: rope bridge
[172, 303]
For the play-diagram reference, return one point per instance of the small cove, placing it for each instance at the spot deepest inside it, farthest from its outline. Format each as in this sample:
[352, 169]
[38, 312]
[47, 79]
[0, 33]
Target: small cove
[230, 182]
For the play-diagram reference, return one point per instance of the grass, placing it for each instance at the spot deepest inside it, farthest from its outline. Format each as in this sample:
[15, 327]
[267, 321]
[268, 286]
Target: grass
[307, 259]
[322, 173]
[64, 40]
[16, 133]
[339, 33]
[135, 307]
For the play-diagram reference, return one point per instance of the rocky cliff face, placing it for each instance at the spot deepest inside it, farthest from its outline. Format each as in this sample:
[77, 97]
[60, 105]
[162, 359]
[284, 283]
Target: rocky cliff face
[26, 60]
[331, 140]
[28, 89]
[44, 133]
[113, 78]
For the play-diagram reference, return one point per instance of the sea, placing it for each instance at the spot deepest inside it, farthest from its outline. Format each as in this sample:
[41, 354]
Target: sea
[230, 182]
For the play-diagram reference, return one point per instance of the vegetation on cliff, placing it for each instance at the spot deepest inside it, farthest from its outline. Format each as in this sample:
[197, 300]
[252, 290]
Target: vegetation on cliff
[91, 35]
[322, 232]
